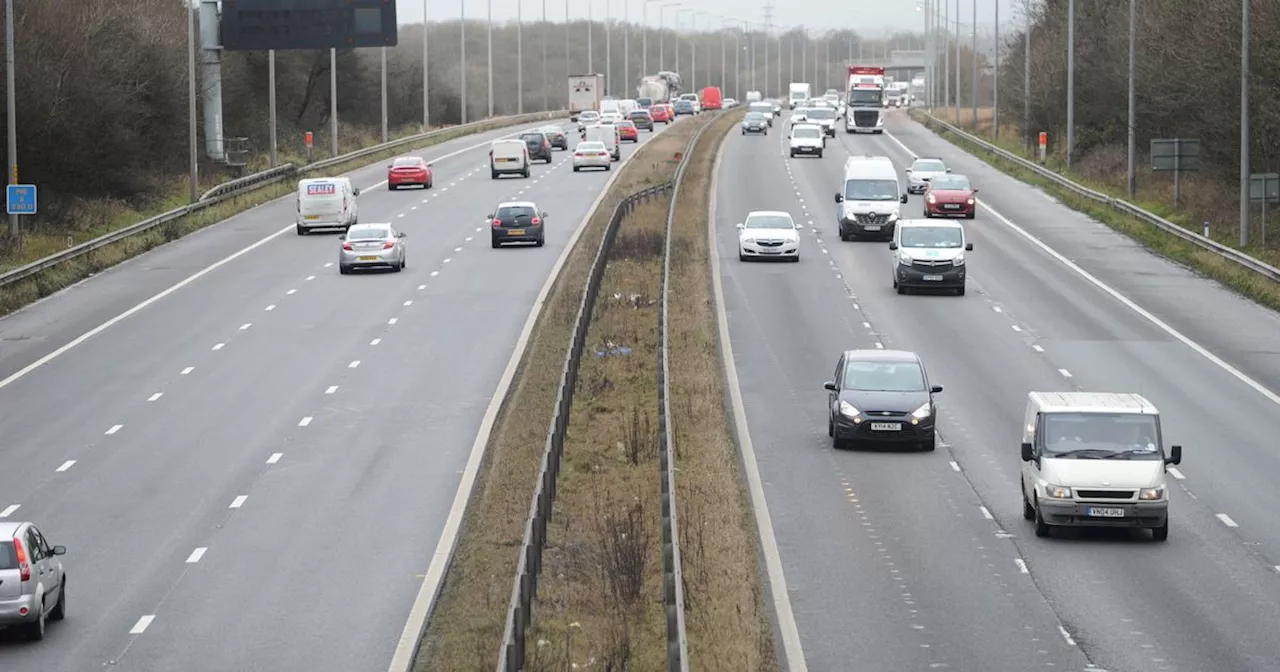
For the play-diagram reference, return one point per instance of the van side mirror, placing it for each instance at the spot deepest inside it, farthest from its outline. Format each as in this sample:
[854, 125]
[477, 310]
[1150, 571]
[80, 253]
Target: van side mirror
[829, 386]
[968, 247]
[488, 217]
[430, 164]
[59, 550]
[355, 192]
[1027, 454]
[907, 170]
[935, 389]
[893, 245]
[948, 170]
[975, 192]
[839, 198]
[904, 198]
[740, 225]
[1175, 455]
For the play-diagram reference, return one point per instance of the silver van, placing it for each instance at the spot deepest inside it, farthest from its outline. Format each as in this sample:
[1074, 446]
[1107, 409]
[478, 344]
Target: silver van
[33, 585]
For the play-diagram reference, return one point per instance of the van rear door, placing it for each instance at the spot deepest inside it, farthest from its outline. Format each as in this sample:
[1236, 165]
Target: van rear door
[322, 202]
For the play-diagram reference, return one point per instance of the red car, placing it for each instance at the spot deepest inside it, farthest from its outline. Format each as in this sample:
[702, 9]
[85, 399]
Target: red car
[408, 170]
[950, 196]
[627, 131]
[660, 114]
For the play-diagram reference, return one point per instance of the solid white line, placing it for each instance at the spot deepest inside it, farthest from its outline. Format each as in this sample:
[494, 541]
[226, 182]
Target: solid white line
[789, 631]
[332, 389]
[196, 555]
[8, 510]
[1022, 565]
[187, 370]
[427, 592]
[246, 325]
[393, 320]
[1173, 471]
[1067, 636]
[955, 467]
[1065, 373]
[1226, 520]
[155, 396]
[275, 457]
[354, 364]
[66, 465]
[218, 346]
[142, 624]
[985, 513]
[1126, 301]
[305, 421]
[238, 501]
[1037, 348]
[114, 429]
[375, 341]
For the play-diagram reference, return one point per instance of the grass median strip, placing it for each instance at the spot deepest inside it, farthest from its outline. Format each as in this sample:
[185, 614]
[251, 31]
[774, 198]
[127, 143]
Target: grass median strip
[465, 630]
[42, 242]
[1244, 281]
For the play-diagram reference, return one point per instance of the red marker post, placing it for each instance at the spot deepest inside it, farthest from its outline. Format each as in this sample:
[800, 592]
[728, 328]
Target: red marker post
[1044, 145]
[308, 139]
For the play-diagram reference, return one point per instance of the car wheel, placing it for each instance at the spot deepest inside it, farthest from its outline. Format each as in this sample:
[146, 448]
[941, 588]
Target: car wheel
[831, 426]
[431, 183]
[1042, 528]
[35, 631]
[60, 609]
[1028, 511]
[608, 166]
[960, 290]
[742, 257]
[930, 444]
[577, 169]
[744, 132]
[970, 215]
[302, 231]
[928, 215]
[493, 174]
[895, 283]
[404, 262]
[525, 173]
[495, 243]
[902, 289]
[1161, 533]
[793, 155]
[795, 258]
[392, 187]
[819, 154]
[344, 270]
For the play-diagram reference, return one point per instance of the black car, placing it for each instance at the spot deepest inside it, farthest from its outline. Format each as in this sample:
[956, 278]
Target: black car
[517, 222]
[881, 395]
[557, 137]
[755, 123]
[642, 119]
[539, 146]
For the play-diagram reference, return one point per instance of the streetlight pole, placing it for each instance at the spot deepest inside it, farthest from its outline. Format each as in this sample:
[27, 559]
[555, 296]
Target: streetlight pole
[662, 33]
[519, 57]
[591, 63]
[995, 82]
[333, 99]
[1071, 79]
[1026, 86]
[974, 83]
[546, 96]
[489, 39]
[945, 32]
[271, 103]
[626, 46]
[1133, 113]
[384, 94]
[426, 100]
[462, 23]
[957, 109]
[608, 47]
[1245, 33]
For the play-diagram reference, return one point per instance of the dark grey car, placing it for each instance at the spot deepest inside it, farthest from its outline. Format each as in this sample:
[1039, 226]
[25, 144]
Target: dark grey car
[517, 222]
[881, 395]
[539, 146]
[755, 123]
[557, 137]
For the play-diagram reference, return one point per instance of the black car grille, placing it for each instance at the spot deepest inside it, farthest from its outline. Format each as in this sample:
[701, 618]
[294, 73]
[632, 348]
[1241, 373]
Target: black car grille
[865, 118]
[871, 219]
[928, 264]
[879, 415]
[769, 243]
[1105, 494]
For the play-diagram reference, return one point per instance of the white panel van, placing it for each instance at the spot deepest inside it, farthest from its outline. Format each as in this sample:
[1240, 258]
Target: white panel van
[869, 202]
[326, 203]
[608, 134]
[508, 157]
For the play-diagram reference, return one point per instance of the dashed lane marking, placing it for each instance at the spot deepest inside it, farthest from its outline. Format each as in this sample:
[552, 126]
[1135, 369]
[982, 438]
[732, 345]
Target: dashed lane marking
[114, 429]
[305, 421]
[66, 465]
[238, 501]
[187, 370]
[275, 457]
[332, 389]
[142, 624]
[196, 555]
[1226, 520]
[155, 396]
[9, 510]
[218, 346]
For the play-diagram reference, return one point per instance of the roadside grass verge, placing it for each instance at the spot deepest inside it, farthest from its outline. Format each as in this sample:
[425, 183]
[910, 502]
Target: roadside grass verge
[90, 220]
[464, 632]
[728, 622]
[1247, 283]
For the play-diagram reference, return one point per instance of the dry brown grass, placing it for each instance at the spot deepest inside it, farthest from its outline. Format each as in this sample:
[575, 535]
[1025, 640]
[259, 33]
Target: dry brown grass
[465, 632]
[727, 621]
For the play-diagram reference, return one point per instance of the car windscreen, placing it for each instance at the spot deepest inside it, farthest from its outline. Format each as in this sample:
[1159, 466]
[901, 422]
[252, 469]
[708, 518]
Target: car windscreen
[625, 124]
[768, 222]
[883, 376]
[8, 556]
[763, 108]
[590, 147]
[951, 182]
[821, 113]
[871, 190]
[947, 237]
[533, 138]
[553, 131]
[928, 167]
[517, 214]
[1128, 436]
[368, 233]
[410, 161]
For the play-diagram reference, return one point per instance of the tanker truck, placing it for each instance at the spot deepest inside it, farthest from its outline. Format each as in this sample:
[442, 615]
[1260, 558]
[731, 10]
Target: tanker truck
[663, 87]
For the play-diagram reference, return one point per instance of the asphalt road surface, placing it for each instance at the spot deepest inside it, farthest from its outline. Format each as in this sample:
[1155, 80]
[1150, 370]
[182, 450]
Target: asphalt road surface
[915, 561]
[252, 472]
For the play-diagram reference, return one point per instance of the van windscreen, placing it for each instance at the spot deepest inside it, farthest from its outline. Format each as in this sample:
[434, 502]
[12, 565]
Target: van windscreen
[871, 190]
[1128, 436]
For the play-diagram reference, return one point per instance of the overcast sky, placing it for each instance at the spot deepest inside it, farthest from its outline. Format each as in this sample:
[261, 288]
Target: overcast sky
[867, 16]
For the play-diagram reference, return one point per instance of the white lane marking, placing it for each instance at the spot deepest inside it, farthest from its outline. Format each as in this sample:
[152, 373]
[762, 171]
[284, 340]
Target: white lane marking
[311, 277]
[196, 555]
[270, 307]
[187, 370]
[332, 389]
[435, 273]
[1016, 327]
[457, 249]
[142, 624]
[421, 287]
[955, 467]
[375, 341]
[998, 309]
[985, 513]
[479, 229]
[447, 260]
[400, 215]
[353, 364]
[866, 325]
[8, 510]
[246, 325]
[1065, 373]
[275, 457]
[467, 241]
[114, 429]
[218, 346]
[393, 320]
[1126, 301]
[328, 264]
[291, 292]
[1176, 474]
[305, 421]
[409, 302]
[1037, 348]
[238, 501]
[1022, 565]
[66, 465]
[879, 345]
[155, 396]
[1066, 635]
[1226, 520]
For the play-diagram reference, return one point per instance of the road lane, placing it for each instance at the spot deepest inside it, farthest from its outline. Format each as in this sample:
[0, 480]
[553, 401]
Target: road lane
[891, 563]
[166, 485]
[1033, 324]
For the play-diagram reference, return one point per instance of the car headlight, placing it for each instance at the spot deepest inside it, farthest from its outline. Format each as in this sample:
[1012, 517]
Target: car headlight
[904, 260]
[1150, 494]
[931, 199]
[970, 201]
[849, 410]
[1056, 492]
[923, 412]
[958, 261]
[893, 216]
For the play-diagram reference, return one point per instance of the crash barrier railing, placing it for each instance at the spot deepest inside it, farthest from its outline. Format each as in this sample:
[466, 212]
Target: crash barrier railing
[1253, 264]
[513, 654]
[249, 183]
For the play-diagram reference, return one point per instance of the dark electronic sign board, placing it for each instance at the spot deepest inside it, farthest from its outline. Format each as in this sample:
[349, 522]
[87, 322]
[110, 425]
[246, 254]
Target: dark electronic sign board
[261, 25]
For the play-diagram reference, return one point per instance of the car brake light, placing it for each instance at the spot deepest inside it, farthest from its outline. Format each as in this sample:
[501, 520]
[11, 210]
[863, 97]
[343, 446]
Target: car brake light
[346, 246]
[24, 567]
[497, 222]
[578, 155]
[536, 221]
[388, 245]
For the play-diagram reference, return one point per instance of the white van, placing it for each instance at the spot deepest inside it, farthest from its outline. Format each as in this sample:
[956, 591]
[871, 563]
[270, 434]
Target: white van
[626, 106]
[326, 203]
[614, 106]
[1095, 459]
[608, 134]
[869, 204]
[507, 157]
[925, 254]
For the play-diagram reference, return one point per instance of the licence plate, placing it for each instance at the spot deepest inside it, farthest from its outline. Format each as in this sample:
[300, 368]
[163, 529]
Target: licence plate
[1099, 512]
[313, 217]
[515, 232]
[505, 160]
[933, 278]
[952, 206]
[369, 257]
[873, 228]
[886, 426]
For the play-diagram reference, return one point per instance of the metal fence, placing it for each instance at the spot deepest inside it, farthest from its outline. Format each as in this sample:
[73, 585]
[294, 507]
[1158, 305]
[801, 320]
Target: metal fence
[1208, 244]
[249, 183]
[513, 655]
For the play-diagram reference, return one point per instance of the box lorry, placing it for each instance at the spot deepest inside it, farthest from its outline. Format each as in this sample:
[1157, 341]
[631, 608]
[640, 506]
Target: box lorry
[585, 92]
[866, 99]
[797, 93]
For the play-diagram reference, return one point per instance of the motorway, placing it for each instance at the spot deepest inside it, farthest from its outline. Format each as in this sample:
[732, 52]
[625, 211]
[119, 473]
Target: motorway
[253, 471]
[915, 561]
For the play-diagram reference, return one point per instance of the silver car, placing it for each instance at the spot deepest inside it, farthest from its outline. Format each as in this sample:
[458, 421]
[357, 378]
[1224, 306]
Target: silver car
[591, 154]
[371, 246]
[33, 585]
[921, 171]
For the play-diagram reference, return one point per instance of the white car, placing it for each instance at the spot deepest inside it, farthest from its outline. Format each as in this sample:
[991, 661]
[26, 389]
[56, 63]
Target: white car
[807, 139]
[730, 102]
[823, 116]
[768, 234]
[610, 118]
[799, 115]
[921, 171]
[692, 98]
[591, 154]
[587, 118]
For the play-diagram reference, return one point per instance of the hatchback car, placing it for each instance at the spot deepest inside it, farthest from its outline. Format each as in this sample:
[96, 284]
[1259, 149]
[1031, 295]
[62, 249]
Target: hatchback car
[587, 118]
[921, 171]
[409, 170]
[881, 395]
[372, 246]
[950, 196]
[556, 135]
[642, 119]
[660, 114]
[591, 155]
[627, 131]
[517, 222]
[684, 107]
[755, 123]
[539, 146]
[33, 583]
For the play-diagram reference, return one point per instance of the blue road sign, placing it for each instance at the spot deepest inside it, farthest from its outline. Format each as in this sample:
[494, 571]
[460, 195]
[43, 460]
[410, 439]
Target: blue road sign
[22, 199]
